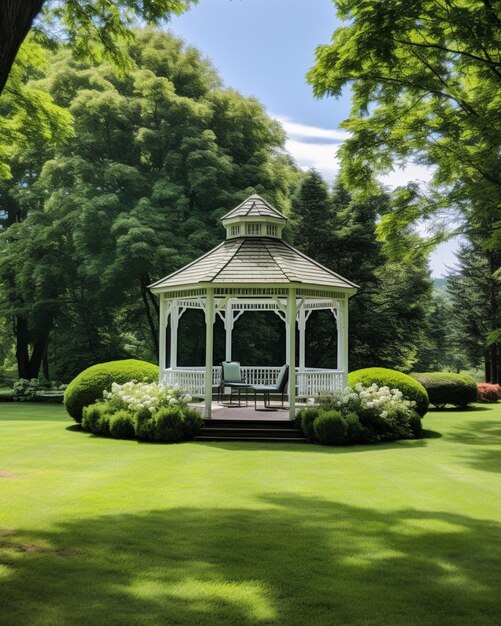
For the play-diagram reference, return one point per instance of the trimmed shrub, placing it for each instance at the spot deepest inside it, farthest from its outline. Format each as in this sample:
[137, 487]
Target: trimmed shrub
[144, 425]
[89, 385]
[92, 415]
[103, 424]
[445, 388]
[354, 430]
[330, 428]
[122, 425]
[488, 392]
[306, 417]
[383, 377]
[193, 422]
[169, 425]
[416, 426]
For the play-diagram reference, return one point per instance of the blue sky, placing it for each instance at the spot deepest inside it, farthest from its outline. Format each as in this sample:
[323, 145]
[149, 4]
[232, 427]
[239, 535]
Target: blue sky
[263, 48]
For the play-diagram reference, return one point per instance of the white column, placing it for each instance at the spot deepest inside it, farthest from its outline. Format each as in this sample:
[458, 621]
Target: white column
[209, 348]
[302, 338]
[291, 343]
[342, 338]
[174, 325]
[162, 333]
[228, 325]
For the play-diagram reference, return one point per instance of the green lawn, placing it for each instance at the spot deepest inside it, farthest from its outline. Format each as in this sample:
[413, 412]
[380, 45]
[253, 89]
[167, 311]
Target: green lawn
[98, 531]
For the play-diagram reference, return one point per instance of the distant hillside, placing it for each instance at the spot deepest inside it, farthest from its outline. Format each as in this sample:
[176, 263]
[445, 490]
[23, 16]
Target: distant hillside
[440, 284]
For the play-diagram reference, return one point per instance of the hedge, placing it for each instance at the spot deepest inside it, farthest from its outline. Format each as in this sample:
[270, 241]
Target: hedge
[168, 424]
[383, 377]
[446, 388]
[89, 385]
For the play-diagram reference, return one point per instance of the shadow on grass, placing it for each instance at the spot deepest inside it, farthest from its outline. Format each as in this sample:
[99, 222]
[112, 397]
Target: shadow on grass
[430, 434]
[75, 428]
[295, 561]
[457, 409]
[485, 460]
[308, 447]
[478, 433]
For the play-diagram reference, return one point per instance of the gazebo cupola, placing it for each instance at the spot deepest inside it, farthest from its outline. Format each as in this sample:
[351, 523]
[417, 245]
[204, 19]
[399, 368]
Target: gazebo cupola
[254, 218]
[254, 269]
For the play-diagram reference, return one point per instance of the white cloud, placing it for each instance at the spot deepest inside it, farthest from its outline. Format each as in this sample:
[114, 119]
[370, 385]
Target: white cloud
[314, 147]
[403, 175]
[299, 131]
[320, 156]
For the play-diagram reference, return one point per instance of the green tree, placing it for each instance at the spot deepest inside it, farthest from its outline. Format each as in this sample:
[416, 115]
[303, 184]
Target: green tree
[476, 310]
[311, 216]
[157, 158]
[425, 78]
[387, 314]
[90, 27]
[437, 351]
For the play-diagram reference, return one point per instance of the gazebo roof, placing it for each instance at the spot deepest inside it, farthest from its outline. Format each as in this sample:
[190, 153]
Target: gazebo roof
[254, 206]
[254, 260]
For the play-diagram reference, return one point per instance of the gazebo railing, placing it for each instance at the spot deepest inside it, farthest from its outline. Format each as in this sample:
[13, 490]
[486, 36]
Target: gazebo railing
[310, 382]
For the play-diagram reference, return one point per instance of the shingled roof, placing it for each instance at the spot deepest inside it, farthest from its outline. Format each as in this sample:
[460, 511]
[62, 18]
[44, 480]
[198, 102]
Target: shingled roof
[254, 206]
[261, 260]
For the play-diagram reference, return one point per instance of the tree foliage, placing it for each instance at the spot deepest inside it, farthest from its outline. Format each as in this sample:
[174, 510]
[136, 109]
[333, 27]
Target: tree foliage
[425, 77]
[92, 28]
[158, 156]
[387, 314]
[476, 310]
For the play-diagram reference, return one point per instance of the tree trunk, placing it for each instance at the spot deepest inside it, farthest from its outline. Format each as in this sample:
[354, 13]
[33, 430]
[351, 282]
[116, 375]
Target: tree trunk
[39, 348]
[22, 343]
[45, 362]
[29, 367]
[16, 18]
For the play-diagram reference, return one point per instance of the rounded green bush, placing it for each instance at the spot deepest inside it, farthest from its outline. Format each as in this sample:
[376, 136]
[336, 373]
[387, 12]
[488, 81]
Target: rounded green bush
[92, 415]
[169, 424]
[446, 388]
[103, 424]
[88, 386]
[193, 422]
[410, 388]
[354, 429]
[331, 428]
[306, 417]
[122, 425]
[416, 425]
[144, 425]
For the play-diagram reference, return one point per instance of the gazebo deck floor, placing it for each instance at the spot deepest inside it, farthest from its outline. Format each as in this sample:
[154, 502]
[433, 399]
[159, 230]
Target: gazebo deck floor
[249, 412]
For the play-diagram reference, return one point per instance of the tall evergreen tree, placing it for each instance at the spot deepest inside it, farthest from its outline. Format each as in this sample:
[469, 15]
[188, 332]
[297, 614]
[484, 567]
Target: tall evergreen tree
[386, 315]
[311, 211]
[476, 298]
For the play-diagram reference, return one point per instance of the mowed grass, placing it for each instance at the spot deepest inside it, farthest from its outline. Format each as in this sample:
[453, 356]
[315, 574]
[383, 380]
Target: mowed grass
[99, 531]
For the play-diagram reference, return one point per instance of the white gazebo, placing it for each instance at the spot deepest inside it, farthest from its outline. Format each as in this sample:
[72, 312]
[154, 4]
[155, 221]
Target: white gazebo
[254, 269]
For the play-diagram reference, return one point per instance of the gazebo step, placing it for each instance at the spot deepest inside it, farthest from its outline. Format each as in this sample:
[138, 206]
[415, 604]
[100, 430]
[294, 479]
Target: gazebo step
[250, 430]
[249, 423]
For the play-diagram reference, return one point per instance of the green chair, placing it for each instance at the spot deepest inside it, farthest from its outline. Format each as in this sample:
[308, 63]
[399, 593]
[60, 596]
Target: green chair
[279, 387]
[231, 377]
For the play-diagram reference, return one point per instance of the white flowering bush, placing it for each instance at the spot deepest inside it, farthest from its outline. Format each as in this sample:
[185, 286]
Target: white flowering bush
[379, 399]
[139, 397]
[143, 410]
[361, 414]
[383, 412]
